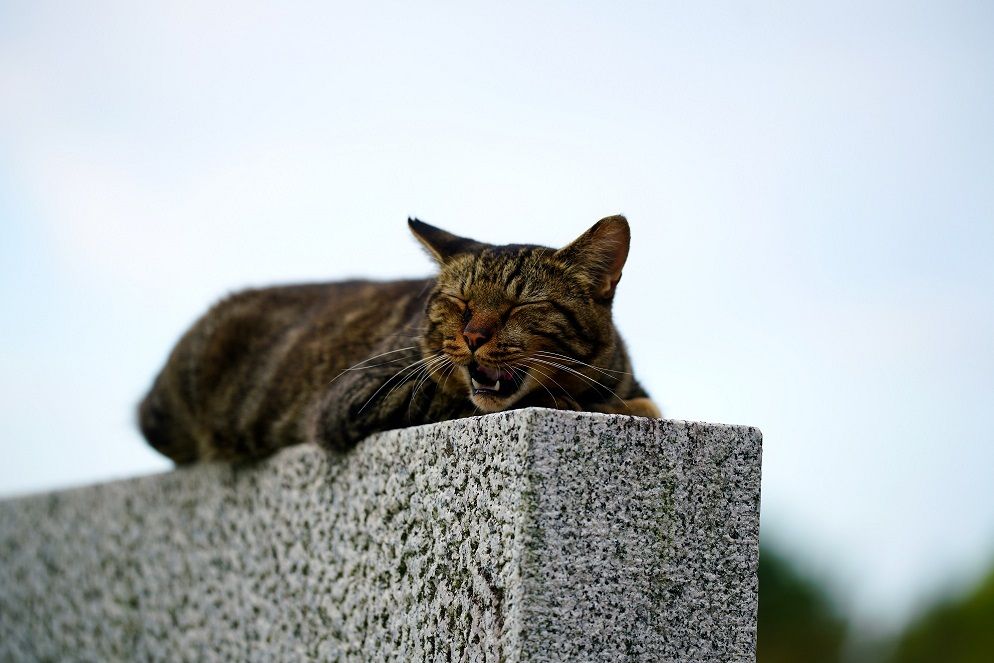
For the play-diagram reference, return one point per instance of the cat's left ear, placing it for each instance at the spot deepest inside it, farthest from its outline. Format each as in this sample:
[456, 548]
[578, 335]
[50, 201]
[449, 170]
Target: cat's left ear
[600, 254]
[442, 245]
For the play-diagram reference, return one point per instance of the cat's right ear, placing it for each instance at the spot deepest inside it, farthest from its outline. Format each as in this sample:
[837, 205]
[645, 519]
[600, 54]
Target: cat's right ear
[600, 254]
[442, 245]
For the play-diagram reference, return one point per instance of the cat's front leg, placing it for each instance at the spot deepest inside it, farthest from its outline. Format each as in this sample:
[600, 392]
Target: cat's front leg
[359, 403]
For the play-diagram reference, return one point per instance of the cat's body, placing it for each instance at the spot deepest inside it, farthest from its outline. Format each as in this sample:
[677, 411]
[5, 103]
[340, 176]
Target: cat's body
[500, 327]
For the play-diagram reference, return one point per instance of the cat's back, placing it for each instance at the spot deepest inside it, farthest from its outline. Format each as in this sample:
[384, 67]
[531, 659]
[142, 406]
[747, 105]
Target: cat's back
[303, 322]
[306, 297]
[271, 348]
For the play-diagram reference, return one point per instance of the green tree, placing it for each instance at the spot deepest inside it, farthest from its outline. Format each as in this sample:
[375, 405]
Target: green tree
[797, 622]
[955, 631]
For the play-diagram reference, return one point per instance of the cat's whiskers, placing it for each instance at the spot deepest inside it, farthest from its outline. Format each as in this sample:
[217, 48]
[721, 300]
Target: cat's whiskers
[451, 369]
[533, 367]
[413, 365]
[597, 385]
[420, 375]
[420, 366]
[599, 369]
[525, 372]
[385, 363]
[358, 366]
[427, 369]
[424, 370]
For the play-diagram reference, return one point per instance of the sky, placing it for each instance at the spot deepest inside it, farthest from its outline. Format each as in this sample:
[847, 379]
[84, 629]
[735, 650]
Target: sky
[809, 189]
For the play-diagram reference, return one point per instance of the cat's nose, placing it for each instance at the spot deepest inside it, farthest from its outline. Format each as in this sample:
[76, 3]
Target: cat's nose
[475, 337]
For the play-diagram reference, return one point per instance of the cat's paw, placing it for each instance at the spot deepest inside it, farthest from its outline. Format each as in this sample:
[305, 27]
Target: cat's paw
[636, 407]
[542, 399]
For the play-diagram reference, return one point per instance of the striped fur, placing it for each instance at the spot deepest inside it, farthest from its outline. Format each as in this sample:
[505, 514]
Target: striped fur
[333, 363]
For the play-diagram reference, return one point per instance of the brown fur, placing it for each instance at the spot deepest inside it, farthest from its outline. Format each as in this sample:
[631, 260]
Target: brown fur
[333, 363]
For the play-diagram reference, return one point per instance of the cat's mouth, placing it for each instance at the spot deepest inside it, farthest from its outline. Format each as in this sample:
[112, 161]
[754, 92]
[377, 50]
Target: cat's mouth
[487, 381]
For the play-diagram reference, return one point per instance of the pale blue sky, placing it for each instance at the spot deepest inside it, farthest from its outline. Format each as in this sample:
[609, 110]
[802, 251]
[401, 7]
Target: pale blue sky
[810, 193]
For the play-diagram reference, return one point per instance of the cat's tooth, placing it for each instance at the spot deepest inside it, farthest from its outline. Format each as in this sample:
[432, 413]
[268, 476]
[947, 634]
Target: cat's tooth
[482, 387]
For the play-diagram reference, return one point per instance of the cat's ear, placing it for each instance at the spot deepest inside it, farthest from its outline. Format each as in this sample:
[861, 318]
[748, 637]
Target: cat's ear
[442, 245]
[600, 254]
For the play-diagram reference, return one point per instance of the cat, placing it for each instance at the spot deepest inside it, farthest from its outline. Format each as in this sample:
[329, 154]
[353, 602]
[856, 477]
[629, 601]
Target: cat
[499, 327]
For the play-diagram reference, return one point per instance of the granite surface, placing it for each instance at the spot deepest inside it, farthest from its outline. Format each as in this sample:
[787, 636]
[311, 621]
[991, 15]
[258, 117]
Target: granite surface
[531, 535]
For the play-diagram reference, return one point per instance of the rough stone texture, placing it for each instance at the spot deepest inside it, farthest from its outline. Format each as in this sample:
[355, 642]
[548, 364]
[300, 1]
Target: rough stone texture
[532, 535]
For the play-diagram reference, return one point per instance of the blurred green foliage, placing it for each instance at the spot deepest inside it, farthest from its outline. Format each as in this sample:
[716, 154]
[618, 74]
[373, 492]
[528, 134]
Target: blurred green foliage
[955, 631]
[798, 623]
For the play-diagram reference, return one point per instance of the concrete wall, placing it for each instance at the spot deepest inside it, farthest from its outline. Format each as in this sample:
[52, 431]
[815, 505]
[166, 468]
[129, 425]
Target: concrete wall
[532, 535]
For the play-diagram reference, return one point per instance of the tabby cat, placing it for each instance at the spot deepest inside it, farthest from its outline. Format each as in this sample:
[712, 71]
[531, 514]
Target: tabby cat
[500, 327]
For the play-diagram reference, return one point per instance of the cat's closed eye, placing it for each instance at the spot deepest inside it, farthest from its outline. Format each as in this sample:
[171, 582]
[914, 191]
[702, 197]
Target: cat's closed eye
[522, 305]
[455, 299]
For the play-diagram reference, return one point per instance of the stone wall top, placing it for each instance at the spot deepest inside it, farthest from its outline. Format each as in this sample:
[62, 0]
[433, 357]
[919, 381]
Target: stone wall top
[532, 535]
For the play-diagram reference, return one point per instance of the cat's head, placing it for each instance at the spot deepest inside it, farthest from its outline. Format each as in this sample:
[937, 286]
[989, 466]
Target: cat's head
[506, 321]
